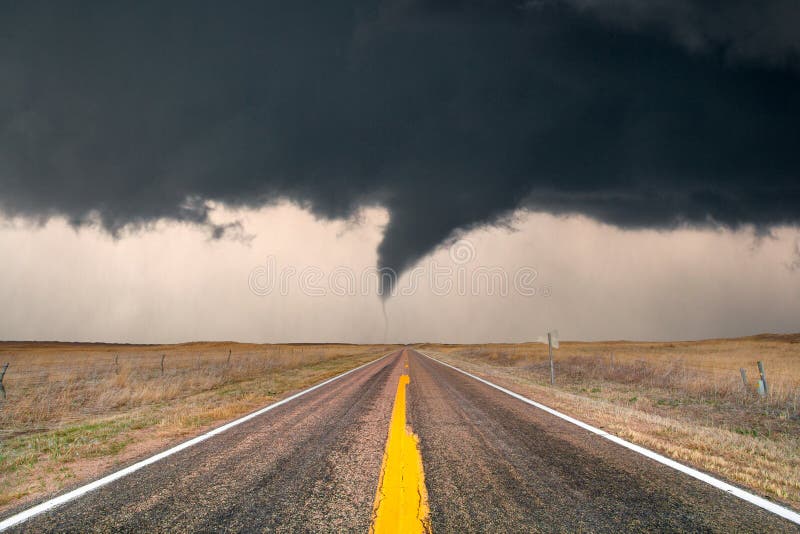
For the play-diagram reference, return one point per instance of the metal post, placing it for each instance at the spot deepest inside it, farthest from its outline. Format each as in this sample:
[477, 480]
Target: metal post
[763, 390]
[229, 357]
[744, 377]
[162, 364]
[2, 376]
[550, 351]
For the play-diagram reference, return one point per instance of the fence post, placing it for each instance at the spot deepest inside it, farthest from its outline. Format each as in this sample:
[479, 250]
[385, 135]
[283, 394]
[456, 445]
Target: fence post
[763, 390]
[744, 377]
[162, 364]
[229, 357]
[2, 376]
[550, 352]
[116, 363]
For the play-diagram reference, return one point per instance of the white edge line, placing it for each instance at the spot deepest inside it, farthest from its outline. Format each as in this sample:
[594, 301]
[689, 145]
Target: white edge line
[78, 492]
[724, 486]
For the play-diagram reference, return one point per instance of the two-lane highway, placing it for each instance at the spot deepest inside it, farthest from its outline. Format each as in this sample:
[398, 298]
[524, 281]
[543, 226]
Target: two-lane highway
[490, 461]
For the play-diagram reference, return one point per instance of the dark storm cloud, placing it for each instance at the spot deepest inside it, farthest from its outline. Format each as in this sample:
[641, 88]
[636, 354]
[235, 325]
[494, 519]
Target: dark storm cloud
[742, 29]
[449, 113]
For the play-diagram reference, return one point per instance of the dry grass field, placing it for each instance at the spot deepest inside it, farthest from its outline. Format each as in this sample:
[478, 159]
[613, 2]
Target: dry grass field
[73, 411]
[683, 399]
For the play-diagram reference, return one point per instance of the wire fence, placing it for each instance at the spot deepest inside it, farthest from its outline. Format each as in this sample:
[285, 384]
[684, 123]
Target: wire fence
[711, 376]
[46, 387]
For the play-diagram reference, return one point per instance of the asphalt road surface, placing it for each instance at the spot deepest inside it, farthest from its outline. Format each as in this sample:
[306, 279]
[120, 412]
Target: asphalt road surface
[491, 463]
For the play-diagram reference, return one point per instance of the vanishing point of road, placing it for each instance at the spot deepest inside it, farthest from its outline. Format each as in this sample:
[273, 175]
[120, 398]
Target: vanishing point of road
[322, 463]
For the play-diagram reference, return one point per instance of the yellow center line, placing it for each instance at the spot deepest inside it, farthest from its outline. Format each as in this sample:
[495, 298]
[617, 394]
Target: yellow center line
[401, 502]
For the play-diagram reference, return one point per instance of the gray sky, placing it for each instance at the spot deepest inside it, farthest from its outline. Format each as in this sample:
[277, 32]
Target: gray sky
[593, 281]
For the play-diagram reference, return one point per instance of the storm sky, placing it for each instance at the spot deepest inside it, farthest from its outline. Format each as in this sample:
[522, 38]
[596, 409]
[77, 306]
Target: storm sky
[147, 121]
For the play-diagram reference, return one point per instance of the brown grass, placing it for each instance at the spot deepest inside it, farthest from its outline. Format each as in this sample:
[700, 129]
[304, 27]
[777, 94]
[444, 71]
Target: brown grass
[75, 410]
[683, 399]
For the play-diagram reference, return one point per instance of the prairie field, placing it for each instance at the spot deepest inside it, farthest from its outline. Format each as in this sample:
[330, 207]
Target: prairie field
[686, 400]
[74, 410]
